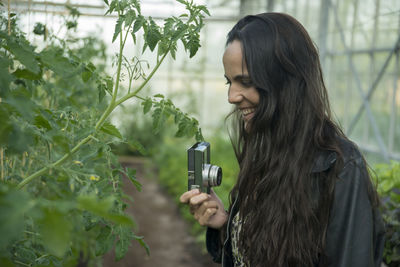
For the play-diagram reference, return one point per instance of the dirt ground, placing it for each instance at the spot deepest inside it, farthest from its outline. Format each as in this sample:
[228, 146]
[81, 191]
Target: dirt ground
[158, 220]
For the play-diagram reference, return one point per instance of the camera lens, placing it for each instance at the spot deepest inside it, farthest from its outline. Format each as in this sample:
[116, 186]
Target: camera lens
[212, 175]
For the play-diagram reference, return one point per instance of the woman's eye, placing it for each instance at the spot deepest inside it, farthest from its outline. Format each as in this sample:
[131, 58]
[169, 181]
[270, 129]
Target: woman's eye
[246, 83]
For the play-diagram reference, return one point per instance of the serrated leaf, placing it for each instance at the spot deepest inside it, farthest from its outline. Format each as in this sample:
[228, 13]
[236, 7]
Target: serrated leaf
[23, 52]
[105, 241]
[102, 91]
[131, 175]
[110, 85]
[86, 75]
[110, 129]
[153, 35]
[61, 142]
[138, 23]
[159, 118]
[130, 17]
[123, 243]
[182, 2]
[53, 58]
[55, 230]
[140, 239]
[204, 9]
[5, 77]
[41, 122]
[147, 104]
[26, 74]
[118, 27]
[193, 45]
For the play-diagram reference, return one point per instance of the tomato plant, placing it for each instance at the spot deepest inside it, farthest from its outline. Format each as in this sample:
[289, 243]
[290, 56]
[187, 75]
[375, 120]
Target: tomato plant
[61, 202]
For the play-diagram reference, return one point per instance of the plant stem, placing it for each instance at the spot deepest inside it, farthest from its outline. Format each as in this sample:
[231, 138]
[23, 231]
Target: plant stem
[130, 95]
[114, 103]
[55, 164]
[9, 18]
[2, 163]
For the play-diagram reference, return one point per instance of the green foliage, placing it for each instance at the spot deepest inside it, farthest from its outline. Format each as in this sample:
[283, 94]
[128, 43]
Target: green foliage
[389, 190]
[61, 198]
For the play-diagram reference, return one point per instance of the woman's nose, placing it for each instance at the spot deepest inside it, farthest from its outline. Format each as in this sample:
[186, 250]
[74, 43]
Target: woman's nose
[234, 95]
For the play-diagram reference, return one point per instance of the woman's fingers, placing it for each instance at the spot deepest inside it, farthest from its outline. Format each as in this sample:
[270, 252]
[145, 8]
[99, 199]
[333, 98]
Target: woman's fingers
[203, 220]
[185, 197]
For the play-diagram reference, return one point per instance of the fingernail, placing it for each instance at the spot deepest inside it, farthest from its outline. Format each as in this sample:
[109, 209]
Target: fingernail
[196, 191]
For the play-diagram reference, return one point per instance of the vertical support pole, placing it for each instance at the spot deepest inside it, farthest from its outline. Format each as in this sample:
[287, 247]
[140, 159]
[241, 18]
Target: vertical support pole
[270, 5]
[323, 30]
[9, 18]
[372, 65]
[393, 114]
[348, 95]
[2, 163]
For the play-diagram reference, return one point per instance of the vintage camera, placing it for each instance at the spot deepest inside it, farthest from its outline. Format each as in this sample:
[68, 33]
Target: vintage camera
[201, 174]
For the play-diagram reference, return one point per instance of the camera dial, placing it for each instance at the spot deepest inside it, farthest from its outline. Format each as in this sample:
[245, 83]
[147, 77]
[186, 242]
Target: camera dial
[212, 175]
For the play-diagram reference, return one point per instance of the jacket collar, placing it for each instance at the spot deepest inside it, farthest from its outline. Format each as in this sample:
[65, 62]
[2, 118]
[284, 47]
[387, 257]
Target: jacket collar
[323, 161]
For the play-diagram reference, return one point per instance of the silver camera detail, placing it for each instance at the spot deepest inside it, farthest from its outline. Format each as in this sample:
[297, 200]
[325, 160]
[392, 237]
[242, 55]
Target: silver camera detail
[202, 174]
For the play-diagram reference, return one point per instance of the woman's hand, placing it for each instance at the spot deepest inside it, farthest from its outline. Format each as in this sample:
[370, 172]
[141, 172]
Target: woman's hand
[207, 209]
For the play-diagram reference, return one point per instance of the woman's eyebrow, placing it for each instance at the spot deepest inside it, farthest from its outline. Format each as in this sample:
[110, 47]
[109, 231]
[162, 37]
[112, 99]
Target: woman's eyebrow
[241, 77]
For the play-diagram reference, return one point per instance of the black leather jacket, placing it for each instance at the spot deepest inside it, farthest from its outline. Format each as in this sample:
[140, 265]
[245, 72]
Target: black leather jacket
[355, 234]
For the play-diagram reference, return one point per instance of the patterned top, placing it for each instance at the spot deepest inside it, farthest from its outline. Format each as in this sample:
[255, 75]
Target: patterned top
[235, 231]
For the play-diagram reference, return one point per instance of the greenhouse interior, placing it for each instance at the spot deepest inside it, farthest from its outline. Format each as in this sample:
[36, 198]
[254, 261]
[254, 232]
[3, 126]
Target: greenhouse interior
[102, 100]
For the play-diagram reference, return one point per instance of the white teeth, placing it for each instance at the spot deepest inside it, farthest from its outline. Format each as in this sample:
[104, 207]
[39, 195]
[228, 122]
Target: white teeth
[247, 111]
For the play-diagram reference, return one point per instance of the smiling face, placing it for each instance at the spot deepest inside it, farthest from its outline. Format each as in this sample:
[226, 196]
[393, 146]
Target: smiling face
[242, 91]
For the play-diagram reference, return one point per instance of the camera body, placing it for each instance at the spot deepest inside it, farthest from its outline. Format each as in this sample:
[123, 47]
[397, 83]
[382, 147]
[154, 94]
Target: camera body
[201, 174]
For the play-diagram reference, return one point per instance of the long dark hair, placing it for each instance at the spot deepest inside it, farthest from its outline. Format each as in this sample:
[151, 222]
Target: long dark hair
[282, 225]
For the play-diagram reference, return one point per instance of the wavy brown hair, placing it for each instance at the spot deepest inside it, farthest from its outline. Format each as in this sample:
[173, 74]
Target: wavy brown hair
[282, 223]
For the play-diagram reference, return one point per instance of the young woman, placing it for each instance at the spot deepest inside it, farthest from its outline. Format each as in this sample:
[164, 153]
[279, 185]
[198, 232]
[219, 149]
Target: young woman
[303, 195]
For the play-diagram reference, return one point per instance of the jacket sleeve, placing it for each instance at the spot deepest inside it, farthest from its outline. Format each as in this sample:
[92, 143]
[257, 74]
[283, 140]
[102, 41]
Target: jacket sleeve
[214, 244]
[355, 234]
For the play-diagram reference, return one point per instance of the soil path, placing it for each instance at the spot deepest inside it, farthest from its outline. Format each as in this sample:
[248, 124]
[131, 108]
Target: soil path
[158, 220]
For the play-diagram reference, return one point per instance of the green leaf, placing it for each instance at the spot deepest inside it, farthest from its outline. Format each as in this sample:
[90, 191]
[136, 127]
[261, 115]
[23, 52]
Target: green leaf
[123, 243]
[102, 91]
[138, 23]
[140, 239]
[105, 241]
[26, 74]
[101, 207]
[153, 35]
[159, 117]
[6, 126]
[139, 147]
[193, 45]
[106, 2]
[118, 27]
[147, 104]
[62, 142]
[41, 122]
[14, 205]
[131, 175]
[5, 77]
[55, 229]
[110, 129]
[22, 51]
[110, 84]
[53, 58]
[204, 9]
[130, 17]
[39, 29]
